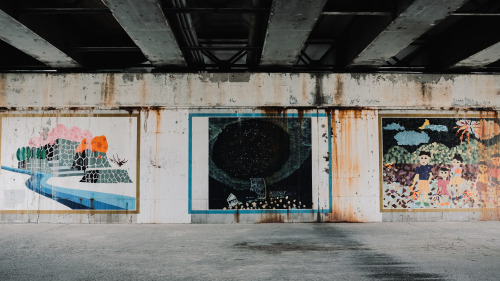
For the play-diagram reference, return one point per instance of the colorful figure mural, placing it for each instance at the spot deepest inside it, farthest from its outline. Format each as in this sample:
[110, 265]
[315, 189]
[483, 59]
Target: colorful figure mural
[437, 163]
[68, 164]
[260, 163]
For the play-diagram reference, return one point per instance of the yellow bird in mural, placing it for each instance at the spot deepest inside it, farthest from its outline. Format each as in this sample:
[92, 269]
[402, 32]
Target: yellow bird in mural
[426, 123]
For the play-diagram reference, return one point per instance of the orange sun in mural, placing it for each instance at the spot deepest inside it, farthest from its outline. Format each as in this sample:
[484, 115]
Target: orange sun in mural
[98, 143]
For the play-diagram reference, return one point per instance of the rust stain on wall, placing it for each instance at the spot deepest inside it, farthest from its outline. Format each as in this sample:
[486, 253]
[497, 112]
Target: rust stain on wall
[271, 218]
[276, 111]
[490, 214]
[158, 120]
[157, 134]
[344, 214]
[304, 88]
[347, 158]
[108, 90]
[139, 109]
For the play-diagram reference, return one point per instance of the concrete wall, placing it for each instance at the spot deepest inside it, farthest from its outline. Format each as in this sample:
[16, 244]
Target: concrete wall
[173, 112]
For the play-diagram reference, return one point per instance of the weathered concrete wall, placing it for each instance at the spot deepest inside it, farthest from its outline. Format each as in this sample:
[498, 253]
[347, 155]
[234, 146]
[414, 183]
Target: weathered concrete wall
[380, 91]
[173, 181]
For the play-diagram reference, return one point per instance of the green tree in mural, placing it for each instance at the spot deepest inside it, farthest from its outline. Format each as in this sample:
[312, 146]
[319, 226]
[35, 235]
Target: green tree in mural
[19, 154]
[41, 153]
[396, 155]
[24, 153]
[441, 154]
[470, 151]
[29, 153]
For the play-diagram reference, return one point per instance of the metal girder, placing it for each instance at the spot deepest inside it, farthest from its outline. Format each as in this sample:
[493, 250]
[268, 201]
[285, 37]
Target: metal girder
[482, 58]
[415, 20]
[146, 24]
[21, 37]
[290, 23]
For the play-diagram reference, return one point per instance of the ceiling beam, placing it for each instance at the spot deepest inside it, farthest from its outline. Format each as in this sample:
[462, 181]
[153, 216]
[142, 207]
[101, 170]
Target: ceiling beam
[290, 23]
[413, 22]
[146, 24]
[468, 40]
[21, 37]
[481, 58]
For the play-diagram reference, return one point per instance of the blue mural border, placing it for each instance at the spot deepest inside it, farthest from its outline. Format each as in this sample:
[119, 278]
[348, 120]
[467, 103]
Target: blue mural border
[264, 211]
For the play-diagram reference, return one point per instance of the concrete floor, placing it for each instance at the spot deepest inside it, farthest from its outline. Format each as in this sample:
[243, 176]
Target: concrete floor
[371, 251]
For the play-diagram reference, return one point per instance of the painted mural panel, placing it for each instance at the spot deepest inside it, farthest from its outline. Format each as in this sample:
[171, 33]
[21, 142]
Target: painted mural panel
[439, 163]
[260, 163]
[69, 163]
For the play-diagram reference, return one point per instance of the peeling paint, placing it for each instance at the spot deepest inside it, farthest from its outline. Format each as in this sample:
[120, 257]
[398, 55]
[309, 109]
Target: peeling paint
[214, 77]
[240, 77]
[130, 78]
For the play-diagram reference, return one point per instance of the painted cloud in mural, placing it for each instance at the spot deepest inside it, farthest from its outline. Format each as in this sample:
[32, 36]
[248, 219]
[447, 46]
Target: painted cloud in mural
[428, 126]
[394, 126]
[411, 138]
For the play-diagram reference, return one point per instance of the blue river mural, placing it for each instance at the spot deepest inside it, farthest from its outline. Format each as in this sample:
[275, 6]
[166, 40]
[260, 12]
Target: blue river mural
[74, 198]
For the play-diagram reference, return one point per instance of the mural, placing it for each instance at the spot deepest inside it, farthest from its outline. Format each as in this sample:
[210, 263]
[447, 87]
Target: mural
[260, 163]
[67, 160]
[436, 163]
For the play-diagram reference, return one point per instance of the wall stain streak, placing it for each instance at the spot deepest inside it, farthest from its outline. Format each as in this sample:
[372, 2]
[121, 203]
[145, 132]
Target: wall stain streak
[426, 94]
[347, 159]
[3, 89]
[132, 109]
[271, 218]
[276, 111]
[108, 90]
[319, 99]
[339, 90]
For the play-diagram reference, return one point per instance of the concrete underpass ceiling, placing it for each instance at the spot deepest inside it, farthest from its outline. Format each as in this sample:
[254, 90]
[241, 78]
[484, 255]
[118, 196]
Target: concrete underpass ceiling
[426, 36]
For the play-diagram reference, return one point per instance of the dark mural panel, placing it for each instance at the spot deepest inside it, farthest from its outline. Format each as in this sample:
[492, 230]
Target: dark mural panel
[260, 163]
[436, 163]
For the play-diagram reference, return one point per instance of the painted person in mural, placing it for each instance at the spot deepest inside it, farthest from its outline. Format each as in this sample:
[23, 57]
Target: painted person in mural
[483, 178]
[423, 175]
[439, 163]
[457, 181]
[494, 171]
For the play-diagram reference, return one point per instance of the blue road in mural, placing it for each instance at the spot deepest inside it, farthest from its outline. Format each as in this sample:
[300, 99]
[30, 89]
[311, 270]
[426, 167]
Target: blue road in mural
[74, 198]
